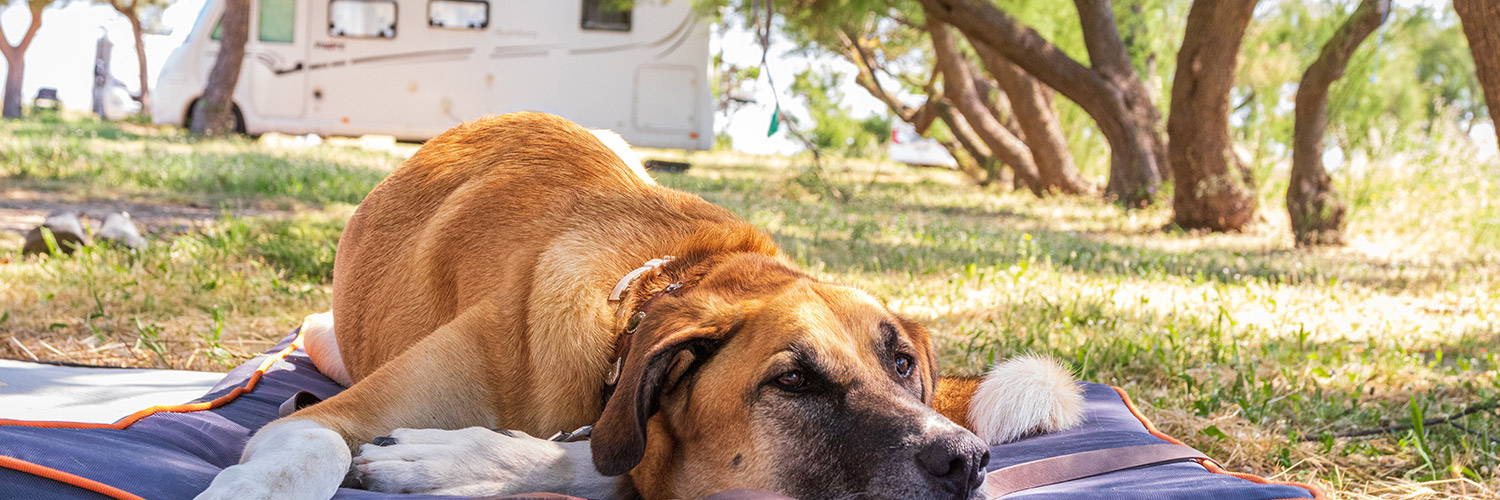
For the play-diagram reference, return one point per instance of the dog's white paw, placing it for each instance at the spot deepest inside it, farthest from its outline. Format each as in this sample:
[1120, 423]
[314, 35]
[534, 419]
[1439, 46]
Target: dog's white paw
[1023, 396]
[237, 482]
[480, 461]
[290, 459]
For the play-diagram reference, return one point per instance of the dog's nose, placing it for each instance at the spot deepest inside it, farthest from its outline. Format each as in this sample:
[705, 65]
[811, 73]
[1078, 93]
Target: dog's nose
[955, 461]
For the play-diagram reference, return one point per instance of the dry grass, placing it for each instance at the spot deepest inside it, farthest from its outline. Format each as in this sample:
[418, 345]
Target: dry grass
[1237, 343]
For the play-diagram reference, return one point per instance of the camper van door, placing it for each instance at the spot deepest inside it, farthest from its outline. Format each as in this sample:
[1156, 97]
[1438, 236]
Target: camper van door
[276, 56]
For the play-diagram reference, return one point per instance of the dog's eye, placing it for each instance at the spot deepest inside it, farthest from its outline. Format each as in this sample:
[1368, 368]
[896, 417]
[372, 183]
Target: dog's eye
[791, 380]
[903, 365]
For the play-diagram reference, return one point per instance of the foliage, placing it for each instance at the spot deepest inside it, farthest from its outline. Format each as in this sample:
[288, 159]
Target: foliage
[1415, 73]
[1410, 83]
[834, 130]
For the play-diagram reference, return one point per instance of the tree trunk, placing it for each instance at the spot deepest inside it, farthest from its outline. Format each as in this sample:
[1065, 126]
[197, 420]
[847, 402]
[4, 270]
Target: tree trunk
[1316, 210]
[972, 158]
[1481, 20]
[140, 57]
[958, 87]
[214, 113]
[1214, 189]
[1037, 118]
[15, 60]
[984, 170]
[1111, 93]
[15, 69]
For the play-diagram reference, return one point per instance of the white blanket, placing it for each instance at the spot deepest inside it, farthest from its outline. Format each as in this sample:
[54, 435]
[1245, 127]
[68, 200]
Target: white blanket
[36, 391]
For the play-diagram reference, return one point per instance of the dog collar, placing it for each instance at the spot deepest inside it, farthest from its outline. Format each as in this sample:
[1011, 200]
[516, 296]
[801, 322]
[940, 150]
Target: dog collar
[622, 342]
[619, 291]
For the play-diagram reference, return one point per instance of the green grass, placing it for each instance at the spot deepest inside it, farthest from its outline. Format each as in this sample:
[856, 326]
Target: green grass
[1247, 349]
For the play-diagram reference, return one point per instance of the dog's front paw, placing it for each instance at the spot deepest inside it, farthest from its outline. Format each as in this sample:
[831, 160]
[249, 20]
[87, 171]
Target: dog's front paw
[238, 482]
[290, 459]
[472, 461]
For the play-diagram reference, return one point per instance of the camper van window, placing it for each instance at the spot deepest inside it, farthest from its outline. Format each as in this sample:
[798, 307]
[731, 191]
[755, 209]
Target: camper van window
[607, 15]
[458, 14]
[362, 18]
[276, 20]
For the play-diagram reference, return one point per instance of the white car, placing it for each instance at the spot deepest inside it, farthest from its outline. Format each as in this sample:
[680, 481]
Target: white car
[912, 149]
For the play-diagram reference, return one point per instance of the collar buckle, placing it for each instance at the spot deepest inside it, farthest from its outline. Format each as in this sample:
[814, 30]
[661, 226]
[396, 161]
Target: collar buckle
[619, 291]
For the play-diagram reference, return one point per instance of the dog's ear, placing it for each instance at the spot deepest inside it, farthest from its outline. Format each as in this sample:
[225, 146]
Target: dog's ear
[618, 439]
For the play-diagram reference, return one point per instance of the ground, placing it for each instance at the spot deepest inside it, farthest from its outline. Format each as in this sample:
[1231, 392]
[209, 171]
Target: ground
[1246, 348]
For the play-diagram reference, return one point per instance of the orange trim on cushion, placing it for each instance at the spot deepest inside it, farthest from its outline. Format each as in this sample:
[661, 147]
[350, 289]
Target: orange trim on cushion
[1207, 464]
[111, 491]
[63, 477]
[183, 408]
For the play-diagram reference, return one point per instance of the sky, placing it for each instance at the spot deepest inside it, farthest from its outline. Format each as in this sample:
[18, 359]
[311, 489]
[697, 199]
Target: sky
[62, 55]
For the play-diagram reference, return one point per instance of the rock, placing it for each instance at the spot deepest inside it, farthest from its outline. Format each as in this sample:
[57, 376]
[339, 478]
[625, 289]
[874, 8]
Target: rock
[66, 229]
[120, 230]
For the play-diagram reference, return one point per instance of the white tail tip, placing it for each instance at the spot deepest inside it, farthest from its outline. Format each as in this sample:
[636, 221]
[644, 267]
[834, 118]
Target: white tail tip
[1024, 396]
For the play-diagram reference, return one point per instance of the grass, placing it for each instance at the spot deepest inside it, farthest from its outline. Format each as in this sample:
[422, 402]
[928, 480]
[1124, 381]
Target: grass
[1247, 349]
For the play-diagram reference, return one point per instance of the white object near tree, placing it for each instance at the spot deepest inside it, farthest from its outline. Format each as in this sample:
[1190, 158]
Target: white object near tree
[908, 147]
[414, 68]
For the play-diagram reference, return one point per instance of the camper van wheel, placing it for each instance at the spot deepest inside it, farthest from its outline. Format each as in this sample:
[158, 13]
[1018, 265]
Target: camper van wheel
[239, 118]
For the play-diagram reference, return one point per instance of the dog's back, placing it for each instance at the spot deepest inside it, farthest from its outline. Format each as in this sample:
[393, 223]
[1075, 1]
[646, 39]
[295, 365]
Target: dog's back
[428, 230]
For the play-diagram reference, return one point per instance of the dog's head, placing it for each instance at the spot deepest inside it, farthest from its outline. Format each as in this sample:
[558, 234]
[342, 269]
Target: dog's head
[759, 376]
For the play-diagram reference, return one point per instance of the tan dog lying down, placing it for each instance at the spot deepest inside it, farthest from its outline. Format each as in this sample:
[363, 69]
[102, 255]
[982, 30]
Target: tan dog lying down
[472, 291]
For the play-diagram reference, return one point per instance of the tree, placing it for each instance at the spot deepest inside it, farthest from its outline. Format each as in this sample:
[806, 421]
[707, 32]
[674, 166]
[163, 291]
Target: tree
[1036, 115]
[1481, 20]
[15, 58]
[214, 112]
[131, 9]
[1110, 90]
[834, 129]
[971, 156]
[1214, 189]
[1317, 212]
[959, 88]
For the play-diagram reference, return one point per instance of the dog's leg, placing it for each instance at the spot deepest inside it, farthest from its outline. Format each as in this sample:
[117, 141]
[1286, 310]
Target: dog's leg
[1023, 396]
[482, 462]
[307, 454]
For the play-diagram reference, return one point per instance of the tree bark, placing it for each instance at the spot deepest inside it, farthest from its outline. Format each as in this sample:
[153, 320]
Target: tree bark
[1038, 121]
[214, 113]
[984, 170]
[1317, 212]
[15, 60]
[958, 86]
[128, 10]
[1481, 21]
[1111, 92]
[1214, 189]
[972, 158]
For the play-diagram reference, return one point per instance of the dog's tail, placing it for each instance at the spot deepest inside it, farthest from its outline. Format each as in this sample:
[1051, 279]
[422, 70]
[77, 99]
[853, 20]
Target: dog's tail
[323, 347]
[1020, 397]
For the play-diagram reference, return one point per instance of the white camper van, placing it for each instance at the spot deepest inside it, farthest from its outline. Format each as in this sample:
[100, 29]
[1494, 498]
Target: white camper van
[414, 68]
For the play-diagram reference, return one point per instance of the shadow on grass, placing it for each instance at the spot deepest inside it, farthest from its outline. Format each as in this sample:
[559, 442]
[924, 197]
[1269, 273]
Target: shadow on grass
[945, 238]
[234, 175]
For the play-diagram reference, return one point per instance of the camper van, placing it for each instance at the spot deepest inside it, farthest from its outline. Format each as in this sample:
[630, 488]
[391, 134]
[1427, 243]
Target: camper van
[414, 68]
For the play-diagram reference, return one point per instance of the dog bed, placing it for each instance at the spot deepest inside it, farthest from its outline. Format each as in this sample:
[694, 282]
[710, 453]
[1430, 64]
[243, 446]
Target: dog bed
[173, 452]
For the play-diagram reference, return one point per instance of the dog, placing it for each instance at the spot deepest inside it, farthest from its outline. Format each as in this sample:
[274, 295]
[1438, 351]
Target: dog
[520, 273]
